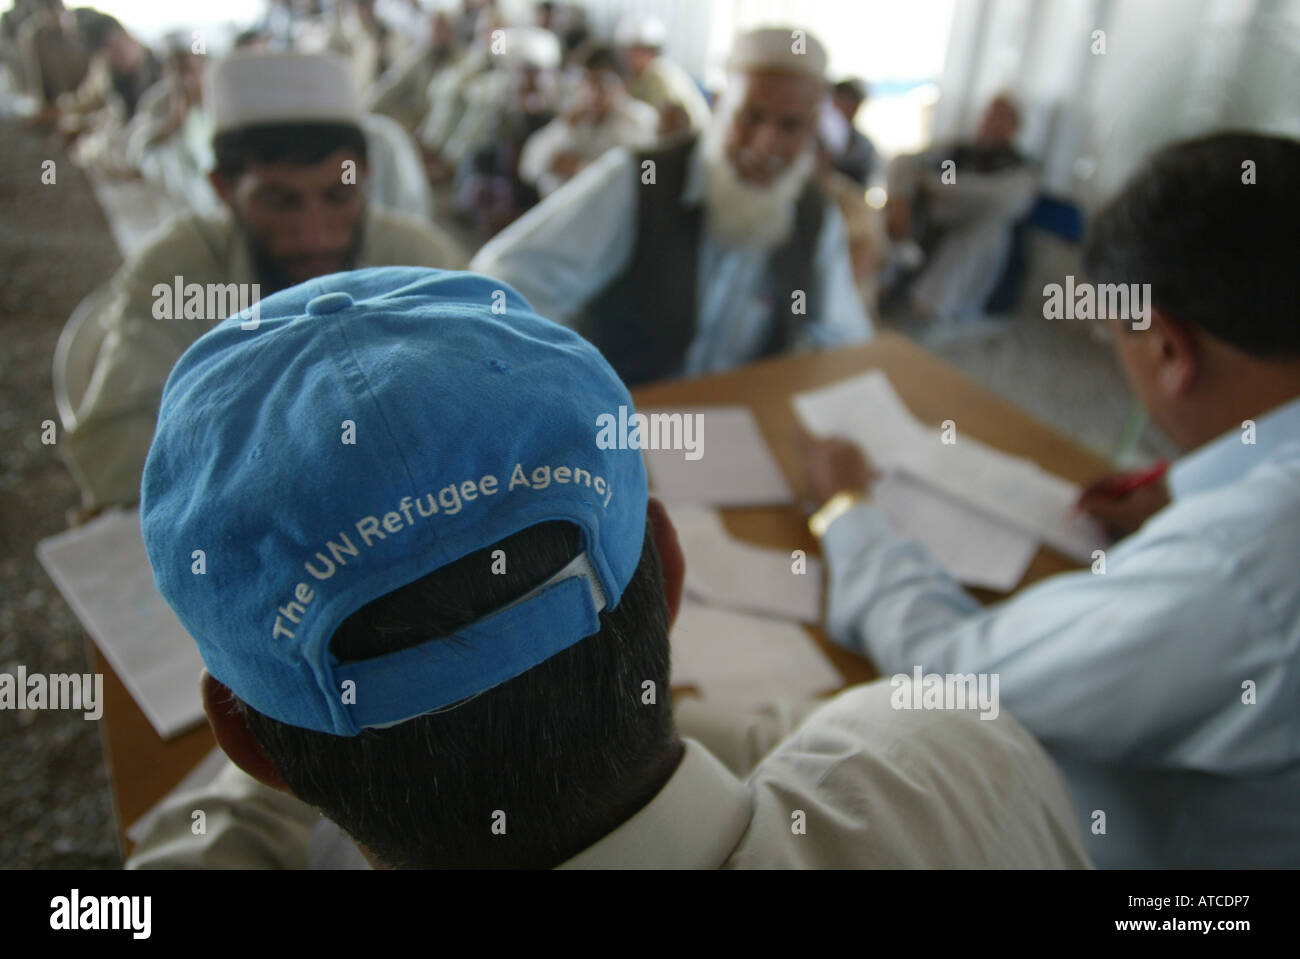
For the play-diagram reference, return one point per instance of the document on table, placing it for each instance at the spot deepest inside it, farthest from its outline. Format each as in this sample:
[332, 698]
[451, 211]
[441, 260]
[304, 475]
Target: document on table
[975, 549]
[746, 659]
[734, 466]
[103, 572]
[1011, 489]
[724, 571]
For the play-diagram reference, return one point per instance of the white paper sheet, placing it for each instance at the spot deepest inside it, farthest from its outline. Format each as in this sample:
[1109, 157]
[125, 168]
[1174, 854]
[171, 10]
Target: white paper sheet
[1014, 490]
[103, 572]
[735, 467]
[723, 571]
[975, 549]
[745, 659]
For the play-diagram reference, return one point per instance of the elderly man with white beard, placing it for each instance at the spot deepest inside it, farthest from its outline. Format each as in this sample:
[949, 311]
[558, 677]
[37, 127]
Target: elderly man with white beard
[707, 253]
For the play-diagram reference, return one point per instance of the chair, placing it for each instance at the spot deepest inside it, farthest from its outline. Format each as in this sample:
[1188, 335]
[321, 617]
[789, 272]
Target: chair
[76, 353]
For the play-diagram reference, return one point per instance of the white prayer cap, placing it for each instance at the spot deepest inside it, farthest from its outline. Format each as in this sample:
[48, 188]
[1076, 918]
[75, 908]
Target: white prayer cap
[532, 47]
[259, 87]
[640, 30]
[784, 49]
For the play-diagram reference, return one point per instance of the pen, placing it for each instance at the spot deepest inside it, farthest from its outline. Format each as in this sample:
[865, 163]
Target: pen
[1120, 486]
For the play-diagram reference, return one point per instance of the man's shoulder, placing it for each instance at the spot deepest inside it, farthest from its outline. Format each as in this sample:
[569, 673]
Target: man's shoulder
[189, 240]
[1258, 513]
[399, 239]
[884, 776]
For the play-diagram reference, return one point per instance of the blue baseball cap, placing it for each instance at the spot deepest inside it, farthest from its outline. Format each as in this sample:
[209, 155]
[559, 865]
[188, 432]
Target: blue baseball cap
[370, 428]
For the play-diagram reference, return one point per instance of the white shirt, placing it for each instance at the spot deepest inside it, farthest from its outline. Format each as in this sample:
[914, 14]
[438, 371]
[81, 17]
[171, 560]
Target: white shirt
[857, 784]
[1168, 688]
[573, 244]
[630, 124]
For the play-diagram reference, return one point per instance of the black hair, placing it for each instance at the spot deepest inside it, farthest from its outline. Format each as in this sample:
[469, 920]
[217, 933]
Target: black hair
[563, 750]
[603, 57]
[96, 28]
[302, 144]
[1214, 235]
[852, 88]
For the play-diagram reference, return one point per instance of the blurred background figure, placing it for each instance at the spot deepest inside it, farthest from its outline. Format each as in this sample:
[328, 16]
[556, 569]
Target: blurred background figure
[170, 139]
[950, 211]
[600, 115]
[402, 93]
[356, 33]
[864, 228]
[449, 94]
[852, 153]
[505, 106]
[50, 54]
[119, 65]
[96, 114]
[658, 81]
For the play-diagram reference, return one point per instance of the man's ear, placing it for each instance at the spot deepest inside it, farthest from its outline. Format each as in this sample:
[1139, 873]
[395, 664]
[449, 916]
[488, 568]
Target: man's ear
[671, 560]
[223, 187]
[1178, 354]
[234, 736]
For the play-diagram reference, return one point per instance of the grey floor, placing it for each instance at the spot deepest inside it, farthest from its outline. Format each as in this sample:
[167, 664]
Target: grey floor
[55, 808]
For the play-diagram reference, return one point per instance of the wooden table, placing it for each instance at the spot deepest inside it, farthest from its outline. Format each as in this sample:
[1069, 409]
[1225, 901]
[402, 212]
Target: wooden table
[143, 768]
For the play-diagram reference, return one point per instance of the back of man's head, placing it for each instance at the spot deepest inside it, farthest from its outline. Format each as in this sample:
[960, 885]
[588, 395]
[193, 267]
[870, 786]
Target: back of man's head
[1210, 223]
[524, 775]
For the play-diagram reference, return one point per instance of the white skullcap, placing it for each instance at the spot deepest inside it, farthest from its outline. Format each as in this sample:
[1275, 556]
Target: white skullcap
[640, 30]
[532, 47]
[258, 87]
[787, 49]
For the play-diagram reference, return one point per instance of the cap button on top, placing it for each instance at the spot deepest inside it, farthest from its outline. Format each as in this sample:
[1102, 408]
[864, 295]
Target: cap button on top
[329, 303]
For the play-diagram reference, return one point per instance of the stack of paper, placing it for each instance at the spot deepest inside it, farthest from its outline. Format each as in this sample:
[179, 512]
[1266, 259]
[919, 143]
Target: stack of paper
[1010, 490]
[103, 572]
[975, 549]
[723, 571]
[744, 659]
[733, 467]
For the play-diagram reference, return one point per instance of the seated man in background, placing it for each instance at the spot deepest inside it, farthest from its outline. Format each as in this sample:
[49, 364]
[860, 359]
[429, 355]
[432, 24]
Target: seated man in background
[950, 211]
[402, 92]
[657, 80]
[705, 254]
[170, 139]
[481, 677]
[121, 70]
[1167, 686]
[601, 116]
[291, 170]
[856, 155]
[51, 52]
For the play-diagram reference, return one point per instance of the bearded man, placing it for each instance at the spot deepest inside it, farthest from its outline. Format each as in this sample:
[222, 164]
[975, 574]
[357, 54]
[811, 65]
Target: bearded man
[705, 254]
[291, 173]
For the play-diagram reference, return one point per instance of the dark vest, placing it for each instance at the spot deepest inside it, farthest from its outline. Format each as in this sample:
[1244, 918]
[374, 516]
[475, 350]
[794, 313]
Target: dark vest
[645, 321]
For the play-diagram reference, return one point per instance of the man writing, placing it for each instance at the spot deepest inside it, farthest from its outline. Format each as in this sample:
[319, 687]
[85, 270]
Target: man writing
[1167, 688]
